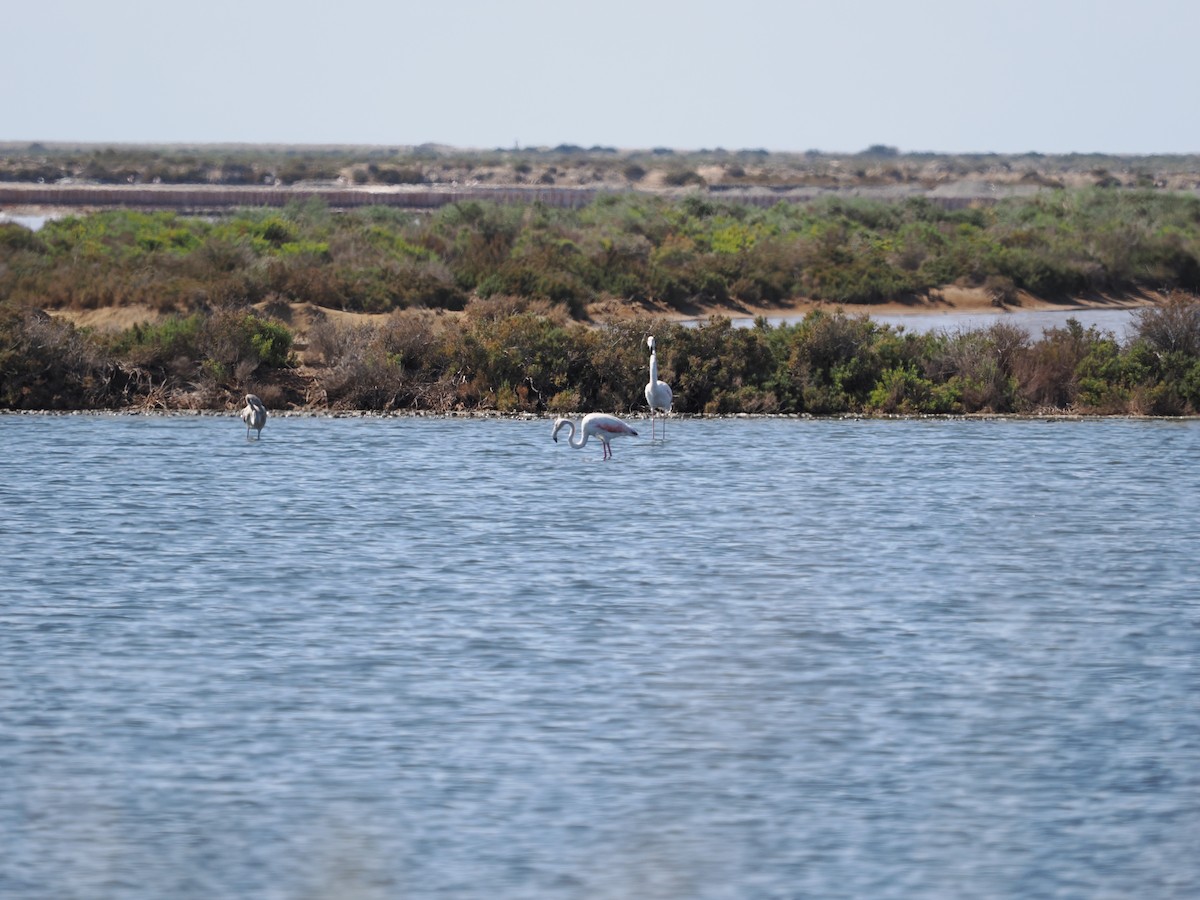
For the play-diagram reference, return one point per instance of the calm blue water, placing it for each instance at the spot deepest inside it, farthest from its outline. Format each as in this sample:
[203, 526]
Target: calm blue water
[377, 658]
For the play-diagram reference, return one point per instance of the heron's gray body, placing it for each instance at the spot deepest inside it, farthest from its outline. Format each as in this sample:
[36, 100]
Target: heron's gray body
[254, 414]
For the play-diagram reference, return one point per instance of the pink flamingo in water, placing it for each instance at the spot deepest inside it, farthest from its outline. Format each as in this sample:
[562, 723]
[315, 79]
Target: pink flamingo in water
[601, 426]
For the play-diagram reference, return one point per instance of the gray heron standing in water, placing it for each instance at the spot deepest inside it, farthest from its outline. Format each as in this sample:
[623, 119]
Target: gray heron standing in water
[254, 414]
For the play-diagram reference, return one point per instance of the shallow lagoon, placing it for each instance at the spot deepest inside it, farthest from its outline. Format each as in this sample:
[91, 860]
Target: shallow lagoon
[1120, 323]
[450, 658]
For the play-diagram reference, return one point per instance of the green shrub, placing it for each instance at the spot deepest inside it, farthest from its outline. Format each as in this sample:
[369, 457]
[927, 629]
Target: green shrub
[16, 238]
[902, 390]
[833, 363]
[156, 346]
[214, 348]
[1105, 377]
[712, 366]
[272, 343]
[976, 364]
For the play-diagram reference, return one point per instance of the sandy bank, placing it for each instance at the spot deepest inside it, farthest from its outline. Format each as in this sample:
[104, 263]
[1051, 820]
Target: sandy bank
[949, 302]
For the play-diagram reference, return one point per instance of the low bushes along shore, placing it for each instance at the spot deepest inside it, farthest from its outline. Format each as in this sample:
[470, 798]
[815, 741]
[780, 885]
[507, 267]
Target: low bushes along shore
[511, 355]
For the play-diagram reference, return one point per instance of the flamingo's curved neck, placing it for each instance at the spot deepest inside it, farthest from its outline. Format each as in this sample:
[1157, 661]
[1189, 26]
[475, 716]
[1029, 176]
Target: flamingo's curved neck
[583, 437]
[654, 367]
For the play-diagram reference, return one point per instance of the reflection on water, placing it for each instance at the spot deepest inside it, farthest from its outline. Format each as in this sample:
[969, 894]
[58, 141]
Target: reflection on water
[441, 658]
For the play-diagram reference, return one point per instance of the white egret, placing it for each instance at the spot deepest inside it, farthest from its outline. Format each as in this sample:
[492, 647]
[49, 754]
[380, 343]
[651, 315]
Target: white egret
[658, 393]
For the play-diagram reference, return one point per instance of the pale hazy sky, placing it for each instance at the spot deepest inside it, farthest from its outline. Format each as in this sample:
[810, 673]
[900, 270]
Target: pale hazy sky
[1053, 76]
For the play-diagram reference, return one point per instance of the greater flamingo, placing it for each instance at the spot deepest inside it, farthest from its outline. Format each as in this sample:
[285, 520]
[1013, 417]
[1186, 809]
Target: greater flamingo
[658, 393]
[601, 426]
[254, 414]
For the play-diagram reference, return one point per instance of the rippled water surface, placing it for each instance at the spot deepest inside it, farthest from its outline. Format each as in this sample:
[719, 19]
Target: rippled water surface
[450, 658]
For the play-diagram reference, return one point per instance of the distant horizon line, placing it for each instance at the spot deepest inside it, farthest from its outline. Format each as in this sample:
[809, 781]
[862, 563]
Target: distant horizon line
[878, 149]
